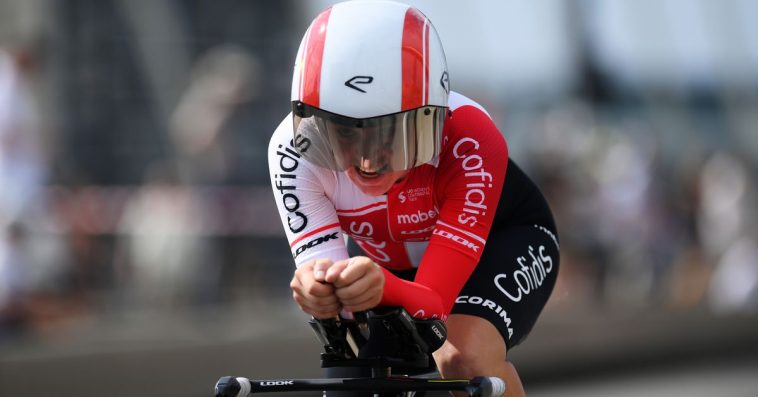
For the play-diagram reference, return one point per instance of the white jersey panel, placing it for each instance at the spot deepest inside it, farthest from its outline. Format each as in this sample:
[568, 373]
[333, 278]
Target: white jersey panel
[304, 193]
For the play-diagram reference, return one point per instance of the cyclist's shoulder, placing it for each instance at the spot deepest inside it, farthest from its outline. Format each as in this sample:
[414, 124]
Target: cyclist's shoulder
[470, 120]
[282, 134]
[286, 160]
[458, 101]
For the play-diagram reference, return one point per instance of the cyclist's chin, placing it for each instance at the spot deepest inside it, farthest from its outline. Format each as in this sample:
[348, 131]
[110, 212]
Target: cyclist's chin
[374, 185]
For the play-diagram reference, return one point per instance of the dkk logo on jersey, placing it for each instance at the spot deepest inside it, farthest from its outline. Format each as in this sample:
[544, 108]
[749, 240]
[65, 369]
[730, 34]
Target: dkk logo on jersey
[315, 242]
[458, 239]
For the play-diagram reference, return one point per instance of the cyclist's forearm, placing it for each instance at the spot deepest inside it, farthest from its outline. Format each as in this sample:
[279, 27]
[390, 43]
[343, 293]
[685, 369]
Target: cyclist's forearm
[419, 300]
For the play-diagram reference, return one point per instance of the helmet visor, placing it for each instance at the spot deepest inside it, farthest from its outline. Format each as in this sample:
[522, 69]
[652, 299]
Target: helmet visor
[392, 142]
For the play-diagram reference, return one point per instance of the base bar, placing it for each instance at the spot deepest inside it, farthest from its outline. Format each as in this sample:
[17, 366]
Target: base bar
[229, 386]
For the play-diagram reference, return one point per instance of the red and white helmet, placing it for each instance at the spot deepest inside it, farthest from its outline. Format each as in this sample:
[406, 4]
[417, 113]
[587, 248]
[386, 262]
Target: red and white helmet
[370, 88]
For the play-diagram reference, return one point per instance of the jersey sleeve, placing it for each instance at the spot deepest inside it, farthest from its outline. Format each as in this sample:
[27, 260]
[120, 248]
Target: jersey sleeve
[469, 180]
[301, 191]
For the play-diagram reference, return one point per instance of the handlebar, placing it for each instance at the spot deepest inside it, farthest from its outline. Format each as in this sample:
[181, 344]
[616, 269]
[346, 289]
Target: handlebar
[381, 338]
[483, 386]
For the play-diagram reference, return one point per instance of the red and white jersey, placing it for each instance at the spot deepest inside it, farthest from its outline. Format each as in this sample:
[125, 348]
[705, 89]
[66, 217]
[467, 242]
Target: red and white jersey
[437, 219]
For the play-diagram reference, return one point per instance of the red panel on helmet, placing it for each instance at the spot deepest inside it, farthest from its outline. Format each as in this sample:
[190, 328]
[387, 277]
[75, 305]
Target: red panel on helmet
[314, 57]
[415, 55]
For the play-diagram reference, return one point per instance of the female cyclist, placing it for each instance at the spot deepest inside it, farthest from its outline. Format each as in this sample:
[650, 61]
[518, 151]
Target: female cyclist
[418, 177]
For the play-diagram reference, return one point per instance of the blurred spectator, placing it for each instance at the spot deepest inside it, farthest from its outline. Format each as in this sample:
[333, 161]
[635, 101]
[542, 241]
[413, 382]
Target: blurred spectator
[18, 180]
[725, 224]
[224, 78]
[735, 282]
[35, 289]
[724, 203]
[21, 166]
[165, 258]
[166, 255]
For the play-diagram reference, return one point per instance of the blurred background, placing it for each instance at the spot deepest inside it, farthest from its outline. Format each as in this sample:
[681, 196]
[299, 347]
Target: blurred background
[141, 252]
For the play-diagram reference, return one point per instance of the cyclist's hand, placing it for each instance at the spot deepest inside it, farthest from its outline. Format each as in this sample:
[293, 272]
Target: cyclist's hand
[358, 282]
[310, 291]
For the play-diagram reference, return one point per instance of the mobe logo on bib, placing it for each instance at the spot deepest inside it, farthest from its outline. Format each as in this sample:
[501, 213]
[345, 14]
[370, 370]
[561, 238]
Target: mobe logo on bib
[418, 217]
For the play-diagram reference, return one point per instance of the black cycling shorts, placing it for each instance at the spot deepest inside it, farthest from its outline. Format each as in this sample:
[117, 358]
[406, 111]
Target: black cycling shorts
[513, 281]
[519, 265]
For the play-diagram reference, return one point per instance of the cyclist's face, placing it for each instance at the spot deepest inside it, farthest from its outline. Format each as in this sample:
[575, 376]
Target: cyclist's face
[366, 153]
[369, 149]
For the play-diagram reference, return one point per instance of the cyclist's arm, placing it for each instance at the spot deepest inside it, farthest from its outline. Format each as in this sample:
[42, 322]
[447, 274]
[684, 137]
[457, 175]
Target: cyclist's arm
[301, 191]
[472, 191]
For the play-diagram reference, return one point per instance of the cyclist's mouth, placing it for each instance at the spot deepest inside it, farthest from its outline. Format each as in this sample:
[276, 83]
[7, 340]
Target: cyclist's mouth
[371, 174]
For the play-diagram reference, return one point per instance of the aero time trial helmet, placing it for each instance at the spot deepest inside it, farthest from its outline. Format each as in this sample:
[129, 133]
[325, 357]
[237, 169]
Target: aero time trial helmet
[370, 88]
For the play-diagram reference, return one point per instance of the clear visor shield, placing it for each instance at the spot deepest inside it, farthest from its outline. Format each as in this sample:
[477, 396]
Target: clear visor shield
[394, 142]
